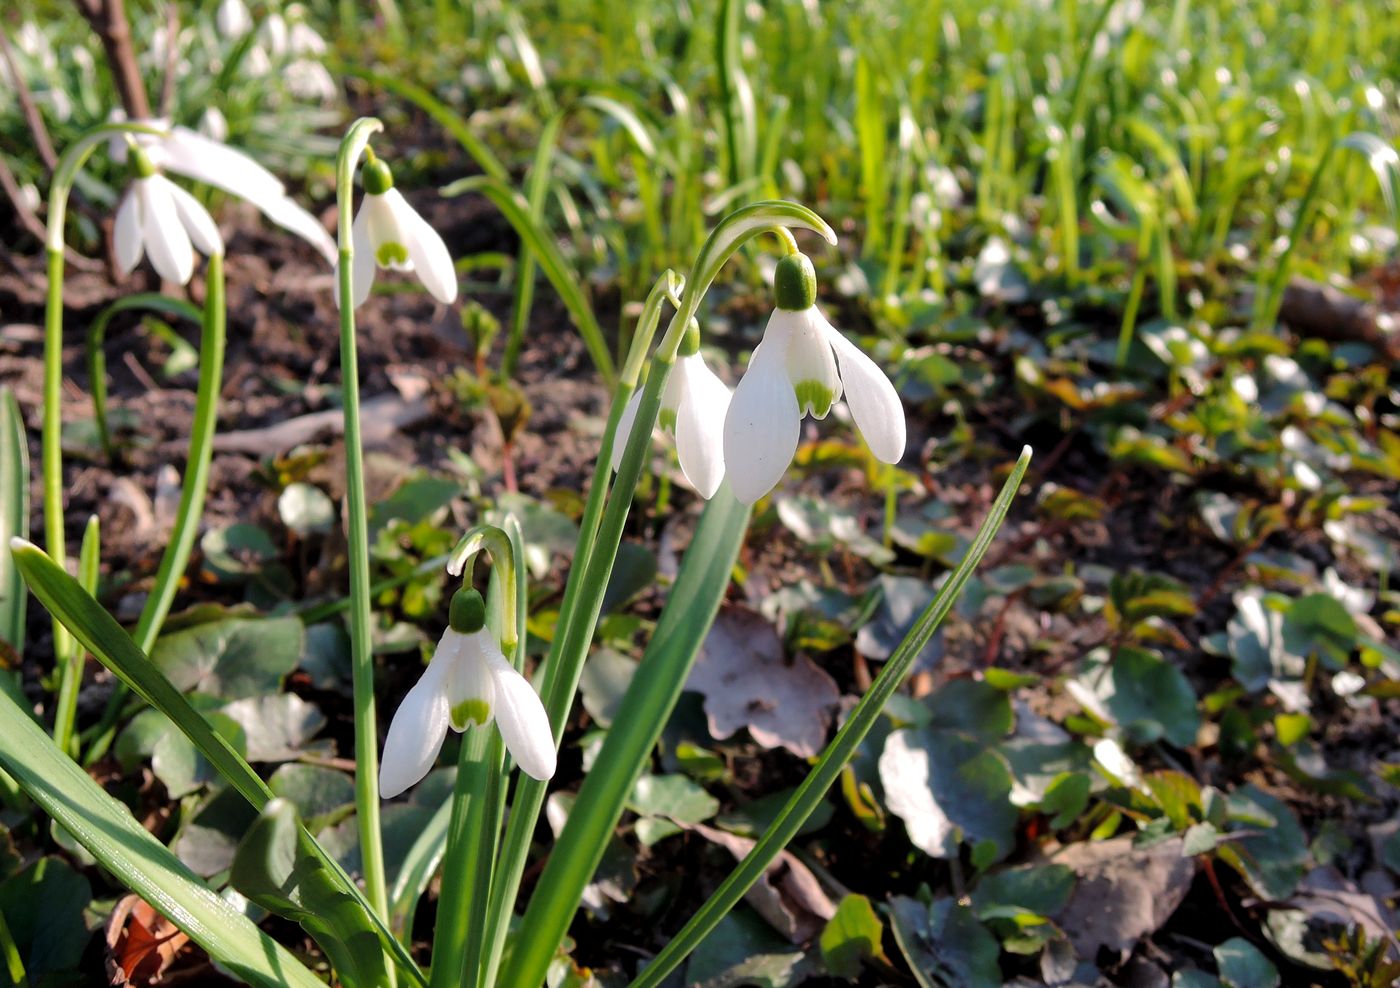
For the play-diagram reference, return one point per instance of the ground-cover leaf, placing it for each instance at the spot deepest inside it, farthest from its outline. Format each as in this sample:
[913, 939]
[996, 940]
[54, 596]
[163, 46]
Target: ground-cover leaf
[1123, 892]
[231, 657]
[1272, 852]
[604, 682]
[278, 727]
[1242, 965]
[948, 787]
[820, 527]
[237, 551]
[743, 950]
[43, 907]
[902, 600]
[945, 944]
[206, 844]
[107, 829]
[747, 683]
[322, 795]
[1145, 696]
[275, 868]
[851, 937]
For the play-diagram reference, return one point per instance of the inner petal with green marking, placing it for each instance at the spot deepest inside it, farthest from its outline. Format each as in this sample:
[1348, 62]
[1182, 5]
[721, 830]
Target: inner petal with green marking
[390, 254]
[814, 398]
[470, 712]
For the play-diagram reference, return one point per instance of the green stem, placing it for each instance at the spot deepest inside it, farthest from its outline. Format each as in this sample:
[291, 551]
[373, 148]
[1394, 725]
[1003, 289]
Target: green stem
[14, 964]
[71, 672]
[357, 525]
[53, 432]
[461, 865]
[814, 787]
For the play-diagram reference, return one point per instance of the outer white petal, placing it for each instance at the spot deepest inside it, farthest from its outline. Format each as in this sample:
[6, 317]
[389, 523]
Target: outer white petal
[288, 215]
[167, 243]
[470, 677]
[416, 732]
[203, 231]
[763, 424]
[126, 232]
[362, 263]
[426, 250]
[522, 721]
[189, 153]
[700, 424]
[874, 403]
[624, 427]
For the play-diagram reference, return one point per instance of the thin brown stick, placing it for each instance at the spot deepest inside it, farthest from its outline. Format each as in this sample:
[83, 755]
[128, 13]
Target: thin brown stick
[108, 19]
[33, 119]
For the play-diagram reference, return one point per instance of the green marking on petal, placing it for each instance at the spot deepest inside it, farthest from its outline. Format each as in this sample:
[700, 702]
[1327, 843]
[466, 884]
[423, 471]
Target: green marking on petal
[668, 419]
[389, 253]
[814, 397]
[470, 712]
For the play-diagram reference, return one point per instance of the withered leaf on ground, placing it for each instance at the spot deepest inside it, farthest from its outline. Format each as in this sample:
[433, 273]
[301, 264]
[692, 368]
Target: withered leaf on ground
[141, 943]
[746, 683]
[788, 896]
[1124, 892]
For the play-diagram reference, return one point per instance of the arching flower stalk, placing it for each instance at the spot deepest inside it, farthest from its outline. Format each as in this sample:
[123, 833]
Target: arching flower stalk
[802, 366]
[693, 406]
[389, 233]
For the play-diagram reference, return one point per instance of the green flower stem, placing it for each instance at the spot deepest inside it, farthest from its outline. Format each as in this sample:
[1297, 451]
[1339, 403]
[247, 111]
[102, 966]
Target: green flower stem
[462, 865]
[361, 652]
[597, 548]
[828, 767]
[647, 705]
[71, 672]
[65, 172]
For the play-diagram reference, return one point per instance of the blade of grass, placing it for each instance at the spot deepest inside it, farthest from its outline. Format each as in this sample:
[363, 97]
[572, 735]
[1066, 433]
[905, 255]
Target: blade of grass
[828, 767]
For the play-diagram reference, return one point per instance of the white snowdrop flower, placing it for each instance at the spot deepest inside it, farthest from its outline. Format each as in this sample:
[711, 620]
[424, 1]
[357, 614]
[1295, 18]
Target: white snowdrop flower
[389, 233]
[232, 19]
[468, 682]
[189, 153]
[308, 79]
[802, 365]
[274, 32]
[213, 124]
[302, 38]
[693, 405]
[158, 218]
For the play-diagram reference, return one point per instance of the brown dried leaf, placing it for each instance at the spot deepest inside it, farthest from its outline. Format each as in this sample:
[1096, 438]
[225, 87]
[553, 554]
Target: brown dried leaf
[141, 943]
[788, 896]
[746, 683]
[1124, 893]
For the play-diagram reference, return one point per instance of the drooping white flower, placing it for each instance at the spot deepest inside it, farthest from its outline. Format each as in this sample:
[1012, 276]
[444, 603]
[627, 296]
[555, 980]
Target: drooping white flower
[693, 404]
[389, 233]
[233, 19]
[802, 365]
[159, 219]
[468, 682]
[310, 80]
[189, 153]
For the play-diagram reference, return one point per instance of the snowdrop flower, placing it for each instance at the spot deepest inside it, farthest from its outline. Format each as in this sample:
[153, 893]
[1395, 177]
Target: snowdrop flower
[389, 233]
[802, 365]
[233, 19]
[308, 79]
[158, 218]
[302, 38]
[693, 404]
[468, 682]
[189, 153]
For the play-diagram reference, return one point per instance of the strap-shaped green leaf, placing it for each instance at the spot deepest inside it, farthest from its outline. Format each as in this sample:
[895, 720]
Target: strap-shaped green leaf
[277, 868]
[111, 834]
[14, 516]
[101, 635]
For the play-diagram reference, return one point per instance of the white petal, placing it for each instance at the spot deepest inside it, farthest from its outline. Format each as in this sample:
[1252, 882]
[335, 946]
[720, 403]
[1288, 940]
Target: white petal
[471, 693]
[190, 153]
[126, 232]
[624, 427]
[167, 243]
[415, 734]
[522, 721]
[384, 230]
[762, 426]
[203, 231]
[700, 424]
[361, 264]
[426, 250]
[290, 216]
[874, 403]
[810, 363]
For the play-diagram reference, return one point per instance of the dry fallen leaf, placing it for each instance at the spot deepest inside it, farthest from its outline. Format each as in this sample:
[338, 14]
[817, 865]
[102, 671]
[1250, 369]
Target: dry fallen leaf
[1124, 892]
[141, 943]
[746, 683]
[788, 896]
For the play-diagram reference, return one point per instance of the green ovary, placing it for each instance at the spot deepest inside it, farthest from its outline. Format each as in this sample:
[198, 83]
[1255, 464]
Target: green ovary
[668, 419]
[814, 397]
[470, 712]
[389, 254]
